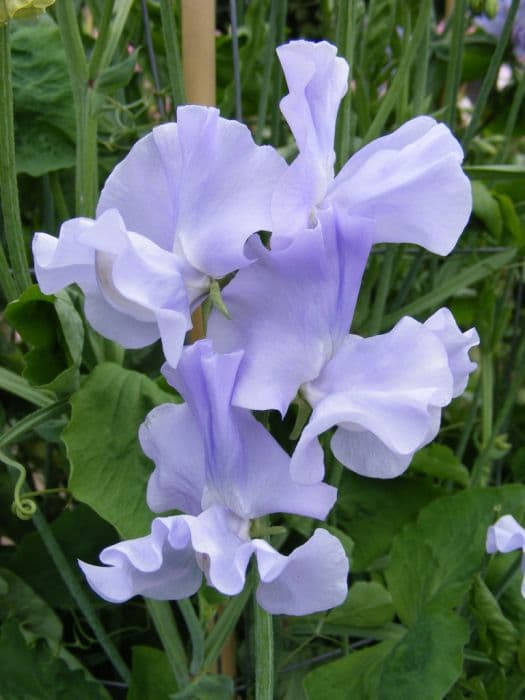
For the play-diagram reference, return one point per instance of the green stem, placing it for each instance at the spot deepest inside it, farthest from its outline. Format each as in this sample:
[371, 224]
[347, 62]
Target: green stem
[455, 62]
[86, 171]
[512, 118]
[71, 580]
[264, 654]
[491, 74]
[346, 35]
[196, 634]
[162, 616]
[171, 45]
[382, 291]
[8, 182]
[269, 55]
[482, 464]
[226, 623]
[389, 100]
[95, 61]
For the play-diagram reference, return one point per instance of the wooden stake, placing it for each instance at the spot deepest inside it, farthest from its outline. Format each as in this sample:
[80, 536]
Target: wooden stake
[198, 51]
[198, 65]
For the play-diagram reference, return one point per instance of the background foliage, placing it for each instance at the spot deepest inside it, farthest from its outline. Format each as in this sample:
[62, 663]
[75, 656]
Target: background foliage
[429, 614]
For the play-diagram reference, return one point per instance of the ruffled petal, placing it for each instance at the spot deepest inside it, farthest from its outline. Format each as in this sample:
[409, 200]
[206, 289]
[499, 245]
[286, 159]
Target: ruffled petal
[387, 385]
[291, 309]
[211, 186]
[225, 189]
[505, 535]
[244, 468]
[411, 183]
[161, 565]
[457, 345]
[310, 579]
[64, 260]
[171, 437]
[317, 81]
[142, 190]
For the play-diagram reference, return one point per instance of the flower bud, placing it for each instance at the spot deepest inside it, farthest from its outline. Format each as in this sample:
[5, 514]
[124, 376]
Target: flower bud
[22, 9]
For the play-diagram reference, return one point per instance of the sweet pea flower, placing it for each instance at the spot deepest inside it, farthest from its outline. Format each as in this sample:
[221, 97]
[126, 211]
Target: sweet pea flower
[494, 26]
[507, 535]
[400, 181]
[176, 213]
[219, 466]
[291, 312]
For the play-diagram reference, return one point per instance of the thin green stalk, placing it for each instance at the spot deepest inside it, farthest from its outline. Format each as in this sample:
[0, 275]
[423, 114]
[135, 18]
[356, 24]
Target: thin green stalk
[277, 80]
[482, 463]
[8, 182]
[109, 39]
[236, 60]
[269, 56]
[389, 100]
[86, 170]
[162, 616]
[346, 33]
[383, 288]
[30, 422]
[469, 423]
[196, 634]
[455, 62]
[512, 118]
[490, 76]
[171, 44]
[58, 196]
[487, 396]
[421, 73]
[409, 279]
[17, 385]
[102, 39]
[226, 623]
[264, 654]
[72, 582]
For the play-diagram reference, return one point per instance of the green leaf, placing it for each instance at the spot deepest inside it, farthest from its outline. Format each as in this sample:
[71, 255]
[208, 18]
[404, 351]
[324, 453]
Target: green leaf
[36, 673]
[43, 101]
[433, 564]
[486, 208]
[368, 604]
[118, 75]
[425, 663]
[440, 462]
[151, 675]
[499, 634]
[109, 471]
[372, 511]
[54, 330]
[17, 385]
[35, 617]
[495, 172]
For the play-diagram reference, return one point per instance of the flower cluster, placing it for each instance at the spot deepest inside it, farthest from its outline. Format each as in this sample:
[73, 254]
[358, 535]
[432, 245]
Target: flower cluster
[182, 211]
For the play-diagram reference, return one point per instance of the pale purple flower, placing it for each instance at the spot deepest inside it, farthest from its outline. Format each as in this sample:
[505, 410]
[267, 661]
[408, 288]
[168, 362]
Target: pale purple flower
[410, 183]
[507, 535]
[291, 312]
[494, 26]
[176, 213]
[219, 466]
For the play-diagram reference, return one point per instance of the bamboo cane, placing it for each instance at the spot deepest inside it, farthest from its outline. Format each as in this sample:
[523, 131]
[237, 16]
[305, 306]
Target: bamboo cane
[198, 65]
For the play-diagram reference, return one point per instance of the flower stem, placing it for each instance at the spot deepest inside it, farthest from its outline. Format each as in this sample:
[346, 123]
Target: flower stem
[162, 616]
[8, 182]
[86, 185]
[171, 44]
[264, 657]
